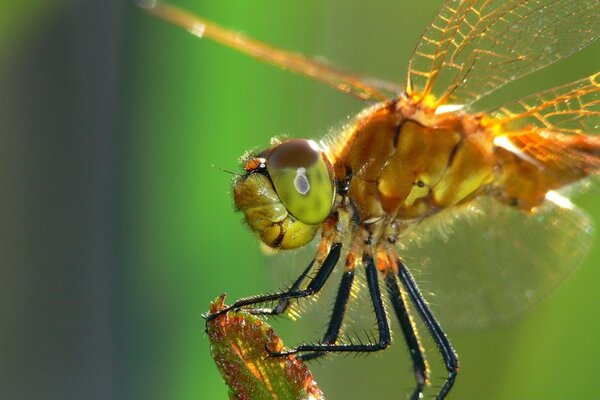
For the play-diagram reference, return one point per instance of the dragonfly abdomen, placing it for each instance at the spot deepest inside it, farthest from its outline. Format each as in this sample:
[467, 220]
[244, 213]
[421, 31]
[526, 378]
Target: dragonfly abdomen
[536, 163]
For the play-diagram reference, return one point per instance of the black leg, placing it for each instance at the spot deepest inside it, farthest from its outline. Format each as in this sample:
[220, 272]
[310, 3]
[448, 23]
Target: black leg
[313, 287]
[382, 322]
[440, 338]
[284, 303]
[337, 314]
[410, 334]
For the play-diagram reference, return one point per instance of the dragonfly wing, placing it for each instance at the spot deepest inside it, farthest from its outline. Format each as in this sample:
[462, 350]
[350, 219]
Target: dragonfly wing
[359, 87]
[485, 264]
[573, 108]
[474, 47]
[561, 125]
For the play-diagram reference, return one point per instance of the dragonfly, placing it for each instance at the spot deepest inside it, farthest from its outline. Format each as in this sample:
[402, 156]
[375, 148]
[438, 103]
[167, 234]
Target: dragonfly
[422, 177]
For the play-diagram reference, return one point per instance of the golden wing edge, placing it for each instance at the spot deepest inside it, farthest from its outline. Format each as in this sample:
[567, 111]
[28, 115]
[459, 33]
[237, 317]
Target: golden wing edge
[535, 105]
[561, 124]
[294, 62]
[444, 40]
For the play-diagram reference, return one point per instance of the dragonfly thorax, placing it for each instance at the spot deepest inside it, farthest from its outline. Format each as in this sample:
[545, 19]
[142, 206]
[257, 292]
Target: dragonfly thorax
[401, 169]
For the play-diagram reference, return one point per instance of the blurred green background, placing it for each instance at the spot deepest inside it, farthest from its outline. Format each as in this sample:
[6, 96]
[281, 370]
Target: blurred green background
[118, 230]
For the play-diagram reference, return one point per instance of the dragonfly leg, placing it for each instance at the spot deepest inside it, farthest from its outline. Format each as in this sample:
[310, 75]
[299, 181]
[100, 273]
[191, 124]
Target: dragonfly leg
[284, 303]
[313, 287]
[337, 314]
[409, 330]
[380, 314]
[441, 340]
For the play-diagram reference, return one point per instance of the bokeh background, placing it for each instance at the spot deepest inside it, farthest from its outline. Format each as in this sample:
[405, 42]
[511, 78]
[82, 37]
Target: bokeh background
[117, 229]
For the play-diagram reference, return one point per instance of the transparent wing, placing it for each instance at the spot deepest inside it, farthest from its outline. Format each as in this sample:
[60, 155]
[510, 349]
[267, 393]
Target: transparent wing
[362, 88]
[571, 109]
[561, 125]
[485, 264]
[474, 47]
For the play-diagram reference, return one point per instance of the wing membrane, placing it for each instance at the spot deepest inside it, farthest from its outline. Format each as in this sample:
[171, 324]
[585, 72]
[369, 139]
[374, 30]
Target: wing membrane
[344, 82]
[494, 262]
[569, 109]
[560, 124]
[474, 47]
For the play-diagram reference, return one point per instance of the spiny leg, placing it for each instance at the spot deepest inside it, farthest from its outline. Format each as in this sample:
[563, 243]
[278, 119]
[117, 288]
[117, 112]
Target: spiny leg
[284, 303]
[339, 307]
[313, 287]
[337, 314]
[410, 333]
[436, 331]
[380, 315]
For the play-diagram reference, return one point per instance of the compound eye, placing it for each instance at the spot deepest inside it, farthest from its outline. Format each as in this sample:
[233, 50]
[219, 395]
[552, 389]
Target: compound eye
[302, 179]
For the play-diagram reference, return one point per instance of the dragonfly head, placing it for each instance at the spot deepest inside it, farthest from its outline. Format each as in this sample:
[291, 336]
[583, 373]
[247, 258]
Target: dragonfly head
[286, 193]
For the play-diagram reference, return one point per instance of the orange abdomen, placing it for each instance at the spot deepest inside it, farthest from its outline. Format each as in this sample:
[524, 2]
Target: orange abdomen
[546, 162]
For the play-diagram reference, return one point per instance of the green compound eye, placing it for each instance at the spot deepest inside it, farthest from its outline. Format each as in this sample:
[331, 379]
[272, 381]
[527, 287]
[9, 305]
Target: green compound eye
[302, 179]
